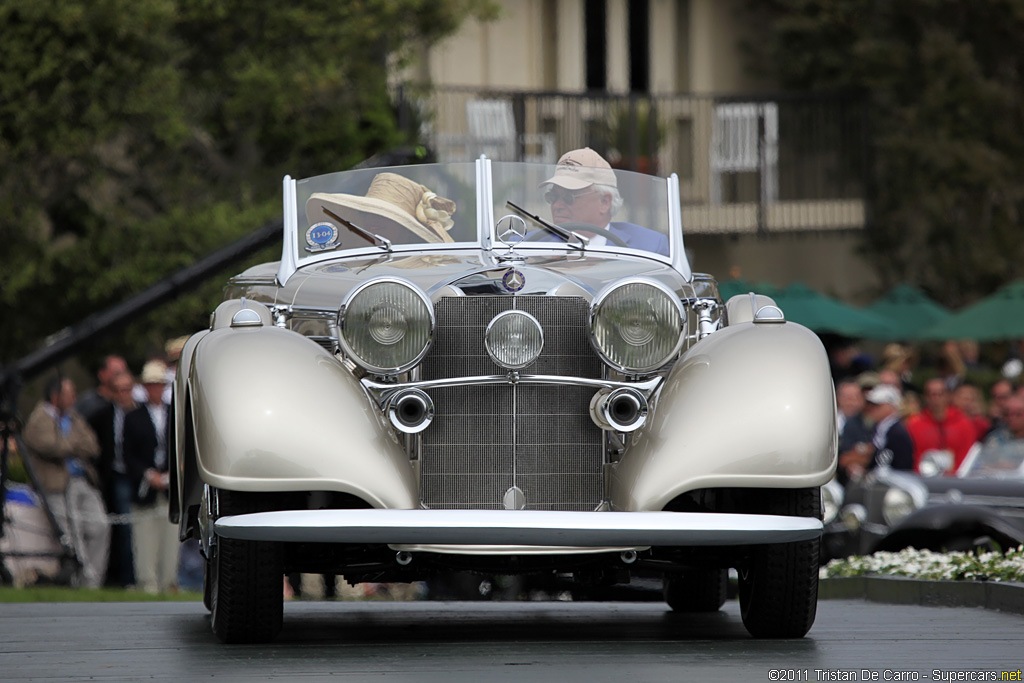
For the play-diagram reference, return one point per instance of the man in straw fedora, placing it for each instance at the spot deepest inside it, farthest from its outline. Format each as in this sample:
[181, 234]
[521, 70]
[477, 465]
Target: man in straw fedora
[584, 189]
[394, 207]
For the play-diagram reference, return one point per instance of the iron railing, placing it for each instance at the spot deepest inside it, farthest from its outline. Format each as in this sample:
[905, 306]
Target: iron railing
[771, 163]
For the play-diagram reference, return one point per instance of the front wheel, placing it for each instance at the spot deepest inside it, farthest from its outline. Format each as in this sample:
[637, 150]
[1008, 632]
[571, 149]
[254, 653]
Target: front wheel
[246, 598]
[778, 589]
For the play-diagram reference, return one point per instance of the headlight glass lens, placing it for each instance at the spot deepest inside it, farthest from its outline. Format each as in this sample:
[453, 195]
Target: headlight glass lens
[514, 339]
[386, 326]
[896, 504]
[637, 326]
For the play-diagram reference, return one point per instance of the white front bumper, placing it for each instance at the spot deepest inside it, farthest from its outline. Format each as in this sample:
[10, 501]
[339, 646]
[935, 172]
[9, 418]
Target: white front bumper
[518, 527]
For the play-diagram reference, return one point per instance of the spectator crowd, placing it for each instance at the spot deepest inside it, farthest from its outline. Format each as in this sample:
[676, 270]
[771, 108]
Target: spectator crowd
[887, 418]
[101, 462]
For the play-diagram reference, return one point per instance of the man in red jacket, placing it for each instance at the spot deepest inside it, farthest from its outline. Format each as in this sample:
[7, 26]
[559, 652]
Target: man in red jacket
[942, 435]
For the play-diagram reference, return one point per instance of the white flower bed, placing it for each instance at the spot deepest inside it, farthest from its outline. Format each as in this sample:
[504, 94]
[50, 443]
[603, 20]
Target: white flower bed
[925, 564]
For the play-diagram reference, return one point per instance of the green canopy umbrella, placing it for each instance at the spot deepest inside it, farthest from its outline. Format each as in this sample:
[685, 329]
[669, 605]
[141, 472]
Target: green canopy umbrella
[908, 311]
[814, 310]
[997, 317]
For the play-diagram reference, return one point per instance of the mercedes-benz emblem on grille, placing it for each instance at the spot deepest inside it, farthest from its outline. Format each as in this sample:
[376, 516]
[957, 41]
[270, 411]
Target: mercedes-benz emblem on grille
[513, 280]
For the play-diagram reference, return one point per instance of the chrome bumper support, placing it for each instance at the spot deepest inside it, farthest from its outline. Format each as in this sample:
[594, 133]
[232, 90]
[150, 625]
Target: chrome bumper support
[381, 391]
[518, 527]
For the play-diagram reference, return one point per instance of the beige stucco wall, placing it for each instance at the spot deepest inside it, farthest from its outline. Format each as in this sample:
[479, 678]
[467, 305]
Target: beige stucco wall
[506, 53]
[695, 45]
[716, 58]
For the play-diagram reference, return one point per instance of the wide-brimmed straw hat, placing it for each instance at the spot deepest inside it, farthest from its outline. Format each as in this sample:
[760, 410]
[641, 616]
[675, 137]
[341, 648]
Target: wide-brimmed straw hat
[393, 199]
[582, 168]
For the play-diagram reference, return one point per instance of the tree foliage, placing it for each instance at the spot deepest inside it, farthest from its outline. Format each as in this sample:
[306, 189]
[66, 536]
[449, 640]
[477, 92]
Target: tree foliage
[138, 135]
[943, 81]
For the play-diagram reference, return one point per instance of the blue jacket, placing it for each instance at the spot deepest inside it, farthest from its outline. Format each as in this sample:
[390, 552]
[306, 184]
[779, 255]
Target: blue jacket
[635, 237]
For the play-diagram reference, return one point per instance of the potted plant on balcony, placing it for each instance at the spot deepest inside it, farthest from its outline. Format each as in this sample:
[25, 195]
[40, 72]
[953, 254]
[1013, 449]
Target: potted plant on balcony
[633, 134]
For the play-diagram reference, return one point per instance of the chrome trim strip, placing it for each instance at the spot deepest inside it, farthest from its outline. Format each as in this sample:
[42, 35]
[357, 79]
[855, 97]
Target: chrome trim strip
[518, 527]
[675, 224]
[290, 247]
[485, 203]
[381, 392]
[509, 549]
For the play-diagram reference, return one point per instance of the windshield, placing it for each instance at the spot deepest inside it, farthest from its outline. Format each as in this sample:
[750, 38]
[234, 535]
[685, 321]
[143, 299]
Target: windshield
[999, 459]
[597, 208]
[461, 205]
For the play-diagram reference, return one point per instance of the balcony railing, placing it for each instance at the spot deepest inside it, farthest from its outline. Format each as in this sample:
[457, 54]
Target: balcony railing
[767, 164]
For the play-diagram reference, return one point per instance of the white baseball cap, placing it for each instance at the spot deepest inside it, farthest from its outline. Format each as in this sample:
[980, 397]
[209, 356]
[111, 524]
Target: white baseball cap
[582, 168]
[884, 393]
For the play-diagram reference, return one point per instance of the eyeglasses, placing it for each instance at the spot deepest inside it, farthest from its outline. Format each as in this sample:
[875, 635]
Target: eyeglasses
[553, 195]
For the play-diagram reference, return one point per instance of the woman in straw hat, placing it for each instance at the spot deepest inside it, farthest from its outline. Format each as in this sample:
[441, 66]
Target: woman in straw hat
[394, 207]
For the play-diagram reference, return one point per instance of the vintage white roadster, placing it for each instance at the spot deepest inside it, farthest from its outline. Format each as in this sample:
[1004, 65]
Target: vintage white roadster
[449, 369]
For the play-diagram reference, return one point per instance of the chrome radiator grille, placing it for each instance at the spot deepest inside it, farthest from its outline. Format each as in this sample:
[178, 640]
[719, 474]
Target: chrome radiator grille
[487, 439]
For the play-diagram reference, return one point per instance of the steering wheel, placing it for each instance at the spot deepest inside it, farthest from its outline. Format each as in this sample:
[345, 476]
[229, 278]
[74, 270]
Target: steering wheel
[581, 227]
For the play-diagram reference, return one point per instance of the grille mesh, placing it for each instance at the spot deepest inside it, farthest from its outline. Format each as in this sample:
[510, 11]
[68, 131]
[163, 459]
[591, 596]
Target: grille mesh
[486, 439]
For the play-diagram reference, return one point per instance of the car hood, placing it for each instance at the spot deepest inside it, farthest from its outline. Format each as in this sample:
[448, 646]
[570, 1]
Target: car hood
[476, 273]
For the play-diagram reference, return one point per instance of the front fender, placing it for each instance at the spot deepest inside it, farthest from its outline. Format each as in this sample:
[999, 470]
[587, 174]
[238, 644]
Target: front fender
[273, 411]
[751, 405]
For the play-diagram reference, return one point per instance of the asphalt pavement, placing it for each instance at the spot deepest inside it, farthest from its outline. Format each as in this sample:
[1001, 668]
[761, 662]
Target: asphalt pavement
[487, 641]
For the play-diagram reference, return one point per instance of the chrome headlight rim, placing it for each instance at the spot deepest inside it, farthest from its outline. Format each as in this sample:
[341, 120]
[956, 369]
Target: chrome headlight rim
[897, 504]
[495, 321]
[361, 362]
[832, 498]
[607, 291]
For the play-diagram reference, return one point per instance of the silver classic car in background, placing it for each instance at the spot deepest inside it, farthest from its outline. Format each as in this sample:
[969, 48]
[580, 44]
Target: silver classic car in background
[981, 508]
[443, 373]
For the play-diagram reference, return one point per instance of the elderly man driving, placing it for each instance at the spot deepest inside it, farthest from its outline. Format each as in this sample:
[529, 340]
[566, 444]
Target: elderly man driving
[583, 191]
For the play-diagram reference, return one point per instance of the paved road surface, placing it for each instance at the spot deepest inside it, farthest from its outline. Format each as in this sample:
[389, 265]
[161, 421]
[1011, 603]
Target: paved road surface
[435, 641]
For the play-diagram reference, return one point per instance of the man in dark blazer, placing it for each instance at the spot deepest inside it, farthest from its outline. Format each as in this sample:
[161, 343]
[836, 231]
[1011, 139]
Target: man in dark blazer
[115, 484]
[154, 538]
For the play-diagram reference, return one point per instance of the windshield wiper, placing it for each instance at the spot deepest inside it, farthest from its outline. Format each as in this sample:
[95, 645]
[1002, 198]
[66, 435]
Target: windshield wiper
[560, 231]
[382, 242]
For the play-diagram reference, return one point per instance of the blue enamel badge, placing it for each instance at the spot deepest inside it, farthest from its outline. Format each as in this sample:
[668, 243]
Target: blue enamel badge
[322, 236]
[513, 280]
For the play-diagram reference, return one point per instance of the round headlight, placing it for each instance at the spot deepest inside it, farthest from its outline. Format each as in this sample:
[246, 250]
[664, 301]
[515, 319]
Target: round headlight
[513, 339]
[386, 325]
[637, 326]
[897, 504]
